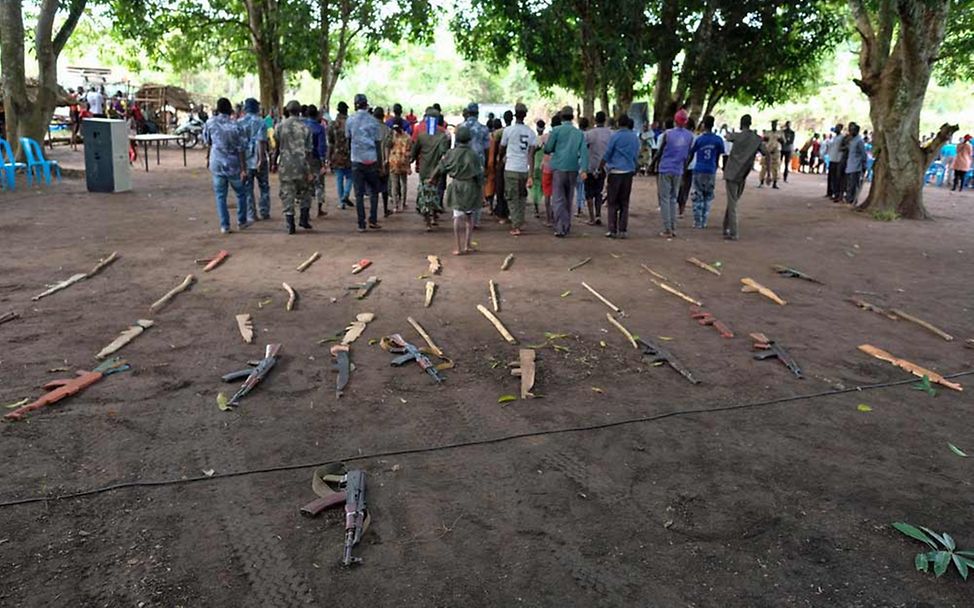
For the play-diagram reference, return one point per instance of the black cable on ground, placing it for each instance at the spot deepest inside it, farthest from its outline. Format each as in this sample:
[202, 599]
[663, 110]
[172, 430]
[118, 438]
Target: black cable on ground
[464, 444]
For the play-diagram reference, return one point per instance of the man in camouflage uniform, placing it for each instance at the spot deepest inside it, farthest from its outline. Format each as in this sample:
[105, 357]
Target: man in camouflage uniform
[294, 166]
[430, 143]
[771, 162]
[319, 157]
[256, 152]
[340, 159]
[479, 142]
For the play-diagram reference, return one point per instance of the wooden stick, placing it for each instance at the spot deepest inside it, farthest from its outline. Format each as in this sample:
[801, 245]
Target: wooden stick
[599, 296]
[494, 299]
[507, 261]
[922, 323]
[435, 265]
[703, 265]
[178, 289]
[751, 286]
[422, 332]
[56, 287]
[863, 304]
[292, 297]
[625, 332]
[659, 276]
[126, 336]
[311, 260]
[245, 324]
[913, 368]
[430, 290]
[101, 264]
[676, 292]
[525, 370]
[218, 259]
[497, 324]
[580, 264]
[9, 316]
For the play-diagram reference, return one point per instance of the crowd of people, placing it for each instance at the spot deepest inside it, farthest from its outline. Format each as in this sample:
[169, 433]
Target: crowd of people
[474, 169]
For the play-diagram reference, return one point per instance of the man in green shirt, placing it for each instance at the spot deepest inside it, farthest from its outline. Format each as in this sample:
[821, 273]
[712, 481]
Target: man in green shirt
[569, 155]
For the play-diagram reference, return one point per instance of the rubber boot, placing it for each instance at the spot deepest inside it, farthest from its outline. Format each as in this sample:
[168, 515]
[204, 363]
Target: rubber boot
[320, 212]
[289, 220]
[303, 222]
[774, 184]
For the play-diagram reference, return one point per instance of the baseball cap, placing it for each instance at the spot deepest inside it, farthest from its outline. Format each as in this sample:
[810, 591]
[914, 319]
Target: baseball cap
[361, 101]
[681, 118]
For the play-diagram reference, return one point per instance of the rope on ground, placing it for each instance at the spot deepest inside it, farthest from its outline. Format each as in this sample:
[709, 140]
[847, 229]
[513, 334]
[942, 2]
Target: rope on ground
[463, 444]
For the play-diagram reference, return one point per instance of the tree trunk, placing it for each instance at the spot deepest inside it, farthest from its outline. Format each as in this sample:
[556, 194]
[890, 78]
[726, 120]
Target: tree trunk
[625, 94]
[26, 118]
[895, 79]
[663, 92]
[604, 100]
[263, 23]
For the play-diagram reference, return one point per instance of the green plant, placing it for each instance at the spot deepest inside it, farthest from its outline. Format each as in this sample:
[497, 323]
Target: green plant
[925, 386]
[886, 215]
[942, 554]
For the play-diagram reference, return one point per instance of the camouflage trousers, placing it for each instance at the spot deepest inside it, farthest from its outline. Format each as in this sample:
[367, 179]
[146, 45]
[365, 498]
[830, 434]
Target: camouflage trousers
[295, 192]
[770, 164]
[317, 186]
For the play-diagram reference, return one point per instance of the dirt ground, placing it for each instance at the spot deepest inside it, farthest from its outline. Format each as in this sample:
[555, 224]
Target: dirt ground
[777, 506]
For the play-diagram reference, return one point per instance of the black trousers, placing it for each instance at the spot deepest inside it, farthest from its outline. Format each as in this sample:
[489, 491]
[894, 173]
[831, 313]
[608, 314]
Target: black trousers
[617, 200]
[836, 177]
[786, 157]
[958, 180]
[684, 193]
[852, 183]
[366, 176]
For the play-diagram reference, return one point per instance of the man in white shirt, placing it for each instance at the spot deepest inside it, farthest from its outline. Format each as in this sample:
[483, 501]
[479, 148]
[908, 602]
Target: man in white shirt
[96, 103]
[518, 143]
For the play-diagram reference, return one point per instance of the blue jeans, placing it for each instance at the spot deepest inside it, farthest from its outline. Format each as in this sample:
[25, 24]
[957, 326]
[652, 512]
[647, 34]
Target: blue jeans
[263, 207]
[702, 196]
[343, 183]
[220, 183]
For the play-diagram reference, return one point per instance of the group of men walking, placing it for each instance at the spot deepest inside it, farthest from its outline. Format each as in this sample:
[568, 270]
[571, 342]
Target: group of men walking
[489, 165]
[847, 164]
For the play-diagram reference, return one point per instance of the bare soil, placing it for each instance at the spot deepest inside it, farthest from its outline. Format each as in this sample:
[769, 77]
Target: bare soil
[778, 506]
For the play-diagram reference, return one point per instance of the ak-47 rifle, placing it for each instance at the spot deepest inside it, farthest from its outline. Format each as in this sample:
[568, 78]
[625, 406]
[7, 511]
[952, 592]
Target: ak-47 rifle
[62, 389]
[253, 375]
[661, 355]
[396, 345]
[334, 486]
[787, 271]
[772, 349]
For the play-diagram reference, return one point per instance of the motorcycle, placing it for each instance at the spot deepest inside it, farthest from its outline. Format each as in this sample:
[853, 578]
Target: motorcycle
[191, 131]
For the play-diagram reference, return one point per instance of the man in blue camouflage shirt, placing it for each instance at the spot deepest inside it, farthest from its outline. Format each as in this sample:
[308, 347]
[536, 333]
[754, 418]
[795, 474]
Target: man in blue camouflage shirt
[254, 134]
[225, 158]
[479, 141]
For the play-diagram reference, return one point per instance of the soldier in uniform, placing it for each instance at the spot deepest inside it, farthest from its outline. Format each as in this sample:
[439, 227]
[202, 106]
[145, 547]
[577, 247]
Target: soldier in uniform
[294, 166]
[431, 142]
[340, 160]
[465, 194]
[319, 157]
[771, 162]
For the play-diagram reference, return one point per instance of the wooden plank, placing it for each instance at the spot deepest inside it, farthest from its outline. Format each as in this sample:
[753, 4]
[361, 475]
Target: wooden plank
[311, 260]
[507, 261]
[245, 324]
[430, 290]
[56, 287]
[526, 371]
[497, 324]
[218, 259]
[676, 292]
[172, 293]
[752, 286]
[905, 365]
[435, 266]
[580, 264]
[659, 276]
[125, 337]
[494, 298]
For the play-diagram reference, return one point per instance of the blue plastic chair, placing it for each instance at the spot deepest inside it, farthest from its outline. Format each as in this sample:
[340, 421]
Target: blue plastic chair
[8, 165]
[36, 162]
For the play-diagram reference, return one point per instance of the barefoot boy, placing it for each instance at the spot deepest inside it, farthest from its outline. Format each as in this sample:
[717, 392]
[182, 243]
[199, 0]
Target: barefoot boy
[465, 192]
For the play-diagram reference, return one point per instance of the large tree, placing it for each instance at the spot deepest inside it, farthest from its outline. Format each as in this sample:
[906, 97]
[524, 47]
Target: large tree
[29, 117]
[586, 46]
[900, 42]
[759, 51]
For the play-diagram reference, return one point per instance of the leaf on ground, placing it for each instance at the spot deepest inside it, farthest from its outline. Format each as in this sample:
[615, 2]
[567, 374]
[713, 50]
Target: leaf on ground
[925, 386]
[553, 336]
[423, 276]
[862, 407]
[658, 363]
[566, 294]
[208, 472]
[596, 389]
[263, 303]
[615, 255]
[602, 344]
[953, 448]
[915, 533]
[561, 349]
[223, 403]
[373, 342]
[665, 338]
[941, 562]
[506, 398]
[717, 264]
[403, 400]
[921, 562]
[58, 369]
[23, 401]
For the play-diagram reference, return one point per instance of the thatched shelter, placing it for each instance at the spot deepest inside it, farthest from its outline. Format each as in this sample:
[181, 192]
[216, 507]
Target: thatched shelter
[158, 96]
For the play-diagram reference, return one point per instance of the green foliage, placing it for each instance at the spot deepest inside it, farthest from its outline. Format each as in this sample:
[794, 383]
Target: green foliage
[925, 385]
[943, 551]
[956, 61]
[886, 215]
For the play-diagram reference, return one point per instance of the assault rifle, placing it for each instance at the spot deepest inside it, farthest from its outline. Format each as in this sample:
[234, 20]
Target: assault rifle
[658, 354]
[254, 375]
[774, 350]
[396, 344]
[334, 486]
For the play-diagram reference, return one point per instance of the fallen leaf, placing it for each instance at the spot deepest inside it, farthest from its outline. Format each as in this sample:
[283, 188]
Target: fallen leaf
[561, 349]
[373, 342]
[615, 255]
[552, 336]
[567, 293]
[602, 343]
[506, 398]
[474, 243]
[956, 450]
[222, 402]
[423, 276]
[263, 303]
[58, 369]
[11, 406]
[862, 407]
[208, 472]
[596, 389]
[403, 400]
[717, 264]
[665, 338]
